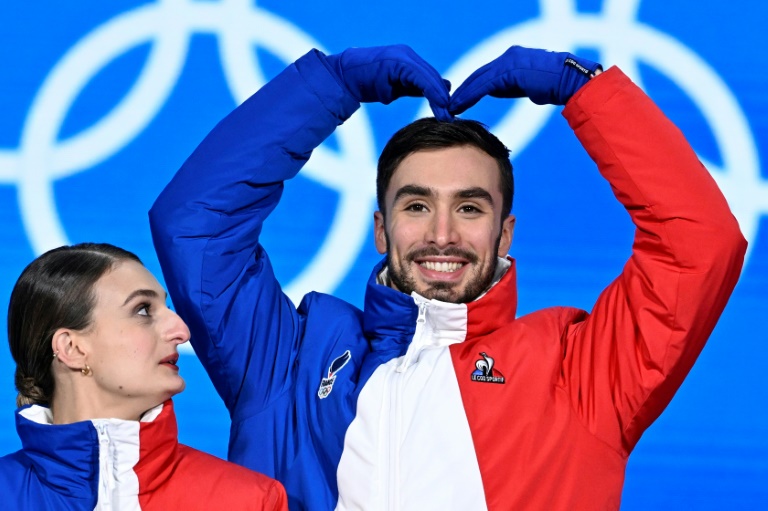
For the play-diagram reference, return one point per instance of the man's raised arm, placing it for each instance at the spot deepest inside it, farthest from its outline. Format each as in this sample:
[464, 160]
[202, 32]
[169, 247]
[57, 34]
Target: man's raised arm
[623, 363]
[206, 223]
[650, 324]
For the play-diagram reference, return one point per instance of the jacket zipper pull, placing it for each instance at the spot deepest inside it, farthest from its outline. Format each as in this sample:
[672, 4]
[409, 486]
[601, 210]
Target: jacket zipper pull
[422, 313]
[420, 320]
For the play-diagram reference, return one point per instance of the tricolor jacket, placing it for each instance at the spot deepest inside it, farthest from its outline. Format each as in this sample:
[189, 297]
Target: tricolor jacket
[418, 404]
[112, 464]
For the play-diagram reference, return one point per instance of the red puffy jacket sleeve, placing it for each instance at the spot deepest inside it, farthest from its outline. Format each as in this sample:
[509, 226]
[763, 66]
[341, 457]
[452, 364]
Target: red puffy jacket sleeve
[627, 359]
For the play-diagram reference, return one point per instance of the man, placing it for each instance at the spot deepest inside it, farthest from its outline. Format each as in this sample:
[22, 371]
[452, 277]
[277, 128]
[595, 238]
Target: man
[436, 396]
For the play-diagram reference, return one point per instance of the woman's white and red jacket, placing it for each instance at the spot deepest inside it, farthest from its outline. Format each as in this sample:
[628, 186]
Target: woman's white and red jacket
[422, 405]
[112, 464]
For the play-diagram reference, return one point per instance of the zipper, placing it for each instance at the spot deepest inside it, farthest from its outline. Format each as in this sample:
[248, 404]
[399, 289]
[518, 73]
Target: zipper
[393, 454]
[105, 470]
[421, 320]
[396, 413]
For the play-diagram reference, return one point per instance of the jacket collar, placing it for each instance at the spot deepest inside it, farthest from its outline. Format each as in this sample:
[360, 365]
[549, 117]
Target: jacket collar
[67, 455]
[390, 316]
[159, 448]
[494, 309]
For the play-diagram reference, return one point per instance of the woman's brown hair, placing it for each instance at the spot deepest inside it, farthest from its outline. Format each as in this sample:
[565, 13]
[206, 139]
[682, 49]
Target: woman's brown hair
[54, 291]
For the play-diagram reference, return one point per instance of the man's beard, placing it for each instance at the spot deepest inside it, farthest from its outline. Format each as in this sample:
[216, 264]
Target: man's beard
[402, 276]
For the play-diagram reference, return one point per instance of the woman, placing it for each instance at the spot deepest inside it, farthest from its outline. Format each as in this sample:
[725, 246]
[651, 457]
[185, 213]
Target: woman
[96, 348]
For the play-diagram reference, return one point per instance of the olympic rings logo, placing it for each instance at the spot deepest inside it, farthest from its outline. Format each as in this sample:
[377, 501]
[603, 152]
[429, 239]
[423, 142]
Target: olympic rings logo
[349, 170]
[624, 41]
[168, 25]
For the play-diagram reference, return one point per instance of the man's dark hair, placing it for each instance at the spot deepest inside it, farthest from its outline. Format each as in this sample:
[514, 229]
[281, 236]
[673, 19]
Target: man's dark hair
[430, 133]
[54, 291]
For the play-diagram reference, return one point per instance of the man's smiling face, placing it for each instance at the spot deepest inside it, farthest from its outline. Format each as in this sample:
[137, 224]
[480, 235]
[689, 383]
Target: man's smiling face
[443, 228]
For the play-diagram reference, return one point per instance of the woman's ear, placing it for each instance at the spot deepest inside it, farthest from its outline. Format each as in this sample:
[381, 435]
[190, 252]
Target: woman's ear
[68, 349]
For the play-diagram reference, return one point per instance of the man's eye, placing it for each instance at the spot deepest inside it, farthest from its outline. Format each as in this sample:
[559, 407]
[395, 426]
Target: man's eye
[416, 207]
[470, 209]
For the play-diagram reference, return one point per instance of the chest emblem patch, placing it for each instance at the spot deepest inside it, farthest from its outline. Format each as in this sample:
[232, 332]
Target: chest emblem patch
[326, 384]
[485, 371]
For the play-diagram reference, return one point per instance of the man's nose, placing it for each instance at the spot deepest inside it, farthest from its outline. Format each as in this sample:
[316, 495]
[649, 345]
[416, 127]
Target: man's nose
[442, 230]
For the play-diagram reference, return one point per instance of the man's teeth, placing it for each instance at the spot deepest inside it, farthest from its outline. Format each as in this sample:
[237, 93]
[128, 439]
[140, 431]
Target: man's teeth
[441, 266]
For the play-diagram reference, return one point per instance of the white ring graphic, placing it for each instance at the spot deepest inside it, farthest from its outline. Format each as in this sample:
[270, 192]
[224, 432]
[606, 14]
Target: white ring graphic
[239, 25]
[624, 41]
[168, 25]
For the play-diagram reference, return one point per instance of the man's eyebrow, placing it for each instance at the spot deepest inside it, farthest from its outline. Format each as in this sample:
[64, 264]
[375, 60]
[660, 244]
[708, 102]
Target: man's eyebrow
[414, 190]
[148, 293]
[475, 193]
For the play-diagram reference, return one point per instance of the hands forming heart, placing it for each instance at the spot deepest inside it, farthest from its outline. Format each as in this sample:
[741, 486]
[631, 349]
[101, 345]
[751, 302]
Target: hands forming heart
[385, 73]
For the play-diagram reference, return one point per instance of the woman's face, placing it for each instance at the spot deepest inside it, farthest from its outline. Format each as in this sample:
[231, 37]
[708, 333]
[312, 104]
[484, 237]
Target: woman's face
[133, 339]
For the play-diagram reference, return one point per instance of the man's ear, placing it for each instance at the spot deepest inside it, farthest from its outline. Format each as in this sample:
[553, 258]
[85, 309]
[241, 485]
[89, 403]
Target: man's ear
[507, 233]
[379, 232]
[68, 348]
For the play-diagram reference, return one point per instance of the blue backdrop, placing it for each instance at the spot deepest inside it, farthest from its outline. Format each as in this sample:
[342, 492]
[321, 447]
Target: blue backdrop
[102, 101]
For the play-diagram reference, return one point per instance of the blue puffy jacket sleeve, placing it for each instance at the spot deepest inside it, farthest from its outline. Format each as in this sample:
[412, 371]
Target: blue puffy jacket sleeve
[206, 226]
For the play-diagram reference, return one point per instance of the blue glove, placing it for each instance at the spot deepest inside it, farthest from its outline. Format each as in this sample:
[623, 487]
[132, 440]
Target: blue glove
[545, 77]
[384, 73]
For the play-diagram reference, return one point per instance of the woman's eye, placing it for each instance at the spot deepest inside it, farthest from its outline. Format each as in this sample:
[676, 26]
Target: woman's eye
[143, 310]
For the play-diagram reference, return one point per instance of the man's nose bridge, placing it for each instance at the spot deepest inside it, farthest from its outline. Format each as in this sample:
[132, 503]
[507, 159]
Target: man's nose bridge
[443, 228]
